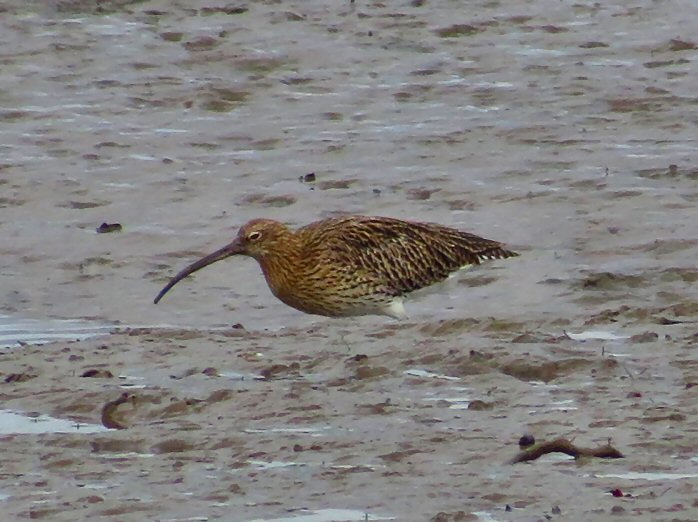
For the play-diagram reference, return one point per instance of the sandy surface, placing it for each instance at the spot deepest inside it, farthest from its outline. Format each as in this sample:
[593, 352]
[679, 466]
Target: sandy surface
[551, 126]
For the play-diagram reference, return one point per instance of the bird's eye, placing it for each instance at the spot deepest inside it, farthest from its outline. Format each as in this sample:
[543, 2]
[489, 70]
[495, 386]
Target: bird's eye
[254, 236]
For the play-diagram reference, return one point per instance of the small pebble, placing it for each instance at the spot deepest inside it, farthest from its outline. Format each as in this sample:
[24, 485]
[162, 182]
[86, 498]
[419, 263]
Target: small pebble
[526, 441]
[106, 228]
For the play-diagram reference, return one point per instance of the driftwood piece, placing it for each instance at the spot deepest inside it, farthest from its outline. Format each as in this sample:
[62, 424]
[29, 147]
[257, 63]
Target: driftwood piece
[565, 446]
[111, 418]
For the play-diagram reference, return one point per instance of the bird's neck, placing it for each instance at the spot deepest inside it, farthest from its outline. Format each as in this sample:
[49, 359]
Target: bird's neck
[281, 265]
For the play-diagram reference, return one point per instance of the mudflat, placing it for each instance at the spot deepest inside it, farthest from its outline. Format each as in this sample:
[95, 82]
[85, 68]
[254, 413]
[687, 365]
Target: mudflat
[565, 130]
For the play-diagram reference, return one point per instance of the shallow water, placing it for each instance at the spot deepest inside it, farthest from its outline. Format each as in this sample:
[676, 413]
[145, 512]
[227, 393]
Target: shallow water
[326, 515]
[17, 331]
[14, 423]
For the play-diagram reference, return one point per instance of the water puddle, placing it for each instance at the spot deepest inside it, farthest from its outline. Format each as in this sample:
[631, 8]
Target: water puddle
[326, 515]
[414, 372]
[595, 335]
[274, 464]
[132, 386]
[638, 475]
[126, 455]
[454, 403]
[12, 423]
[132, 382]
[562, 405]
[236, 376]
[312, 431]
[485, 516]
[538, 52]
[351, 467]
[97, 486]
[15, 331]
[190, 519]
[548, 404]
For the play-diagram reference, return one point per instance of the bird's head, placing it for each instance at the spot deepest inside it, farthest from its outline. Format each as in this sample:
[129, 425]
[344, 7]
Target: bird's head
[258, 238]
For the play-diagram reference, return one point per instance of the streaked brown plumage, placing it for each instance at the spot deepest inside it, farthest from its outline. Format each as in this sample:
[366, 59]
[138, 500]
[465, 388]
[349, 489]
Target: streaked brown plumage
[355, 265]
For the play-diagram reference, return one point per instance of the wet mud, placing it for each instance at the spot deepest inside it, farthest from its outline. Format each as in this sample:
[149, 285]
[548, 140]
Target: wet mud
[565, 130]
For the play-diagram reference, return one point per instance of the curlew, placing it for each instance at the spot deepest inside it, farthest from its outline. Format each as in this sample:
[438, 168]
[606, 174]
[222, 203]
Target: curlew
[354, 265]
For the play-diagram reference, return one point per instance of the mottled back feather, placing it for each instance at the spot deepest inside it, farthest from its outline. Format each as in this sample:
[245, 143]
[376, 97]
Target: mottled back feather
[403, 256]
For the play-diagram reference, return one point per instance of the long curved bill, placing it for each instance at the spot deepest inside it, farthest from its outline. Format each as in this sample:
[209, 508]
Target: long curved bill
[227, 251]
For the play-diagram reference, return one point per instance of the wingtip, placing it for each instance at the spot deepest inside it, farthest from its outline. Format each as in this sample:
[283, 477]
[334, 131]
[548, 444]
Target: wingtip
[500, 253]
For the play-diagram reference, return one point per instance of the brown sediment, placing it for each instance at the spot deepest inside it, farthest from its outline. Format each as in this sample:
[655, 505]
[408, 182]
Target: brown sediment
[183, 120]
